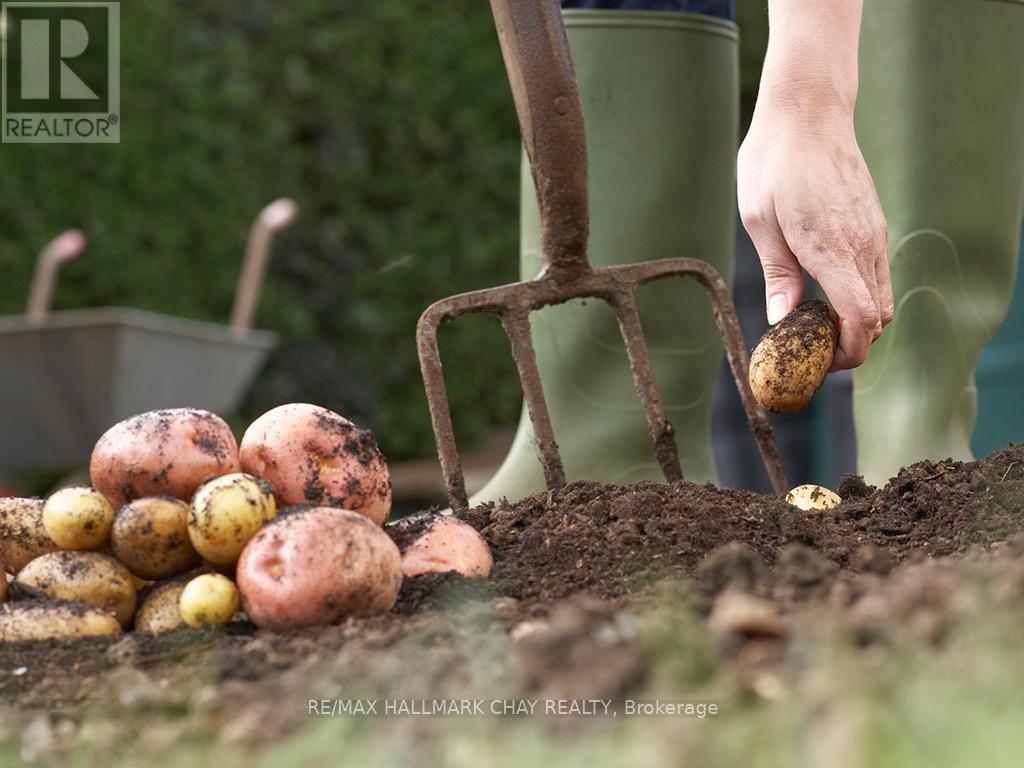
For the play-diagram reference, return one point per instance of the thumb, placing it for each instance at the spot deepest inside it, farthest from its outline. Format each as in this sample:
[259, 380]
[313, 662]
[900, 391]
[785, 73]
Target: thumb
[783, 276]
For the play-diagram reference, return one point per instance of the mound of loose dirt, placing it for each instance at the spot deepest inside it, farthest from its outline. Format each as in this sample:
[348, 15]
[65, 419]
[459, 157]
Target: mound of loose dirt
[613, 540]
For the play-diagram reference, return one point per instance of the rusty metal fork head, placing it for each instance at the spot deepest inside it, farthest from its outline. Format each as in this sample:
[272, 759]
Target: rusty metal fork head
[547, 102]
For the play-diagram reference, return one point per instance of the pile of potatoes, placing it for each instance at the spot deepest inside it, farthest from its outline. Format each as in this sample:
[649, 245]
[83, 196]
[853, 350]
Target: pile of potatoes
[183, 526]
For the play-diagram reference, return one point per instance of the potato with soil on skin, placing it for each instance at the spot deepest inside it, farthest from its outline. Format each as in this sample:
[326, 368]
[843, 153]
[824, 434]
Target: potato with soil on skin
[432, 542]
[158, 607]
[150, 536]
[52, 619]
[23, 537]
[225, 513]
[313, 455]
[86, 577]
[808, 497]
[78, 518]
[162, 453]
[208, 600]
[315, 565]
[790, 362]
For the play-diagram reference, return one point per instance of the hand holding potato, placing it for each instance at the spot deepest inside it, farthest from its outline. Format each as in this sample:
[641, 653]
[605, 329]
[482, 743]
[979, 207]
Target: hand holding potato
[792, 359]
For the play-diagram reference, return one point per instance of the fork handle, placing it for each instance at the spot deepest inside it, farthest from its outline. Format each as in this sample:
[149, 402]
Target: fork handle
[547, 98]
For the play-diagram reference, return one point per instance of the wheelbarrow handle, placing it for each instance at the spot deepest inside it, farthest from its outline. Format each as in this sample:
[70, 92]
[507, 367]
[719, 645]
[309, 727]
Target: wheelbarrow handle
[547, 99]
[276, 217]
[61, 249]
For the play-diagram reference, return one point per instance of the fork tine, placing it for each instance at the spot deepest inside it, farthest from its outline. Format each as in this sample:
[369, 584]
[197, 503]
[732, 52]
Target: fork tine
[517, 327]
[440, 412]
[663, 434]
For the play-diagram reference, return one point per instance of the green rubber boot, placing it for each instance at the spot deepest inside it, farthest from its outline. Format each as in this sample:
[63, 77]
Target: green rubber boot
[940, 120]
[660, 95]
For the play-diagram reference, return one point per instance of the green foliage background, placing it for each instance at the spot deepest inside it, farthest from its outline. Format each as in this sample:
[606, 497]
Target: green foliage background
[389, 121]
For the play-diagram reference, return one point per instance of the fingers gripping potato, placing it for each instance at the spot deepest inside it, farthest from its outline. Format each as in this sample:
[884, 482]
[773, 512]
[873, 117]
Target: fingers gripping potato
[150, 536]
[162, 453]
[210, 599]
[313, 455]
[316, 565]
[50, 619]
[78, 518]
[226, 513]
[790, 362]
[86, 577]
[431, 542]
[23, 536]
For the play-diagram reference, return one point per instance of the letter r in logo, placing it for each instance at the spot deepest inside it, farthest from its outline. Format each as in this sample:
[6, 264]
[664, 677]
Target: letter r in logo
[35, 59]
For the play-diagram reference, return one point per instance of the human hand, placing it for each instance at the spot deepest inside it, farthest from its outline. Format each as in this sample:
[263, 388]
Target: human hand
[807, 200]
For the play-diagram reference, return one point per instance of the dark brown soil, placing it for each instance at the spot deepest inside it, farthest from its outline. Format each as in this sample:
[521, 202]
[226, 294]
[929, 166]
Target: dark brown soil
[613, 540]
[564, 563]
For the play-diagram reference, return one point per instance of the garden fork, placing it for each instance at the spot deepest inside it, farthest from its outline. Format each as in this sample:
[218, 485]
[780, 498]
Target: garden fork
[546, 95]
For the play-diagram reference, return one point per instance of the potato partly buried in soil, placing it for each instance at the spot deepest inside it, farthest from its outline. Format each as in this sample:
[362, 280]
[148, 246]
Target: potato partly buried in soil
[432, 542]
[790, 362]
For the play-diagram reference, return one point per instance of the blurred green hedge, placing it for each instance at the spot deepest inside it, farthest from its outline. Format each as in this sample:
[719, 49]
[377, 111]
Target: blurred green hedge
[391, 123]
[388, 120]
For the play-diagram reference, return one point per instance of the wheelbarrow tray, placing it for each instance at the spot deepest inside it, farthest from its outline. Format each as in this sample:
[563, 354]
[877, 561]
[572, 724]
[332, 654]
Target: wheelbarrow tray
[66, 382]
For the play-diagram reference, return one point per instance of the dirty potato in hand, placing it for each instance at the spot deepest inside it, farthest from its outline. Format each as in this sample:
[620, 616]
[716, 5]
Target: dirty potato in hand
[432, 542]
[226, 512]
[316, 565]
[86, 577]
[790, 362]
[52, 619]
[208, 600]
[150, 536]
[23, 536]
[162, 453]
[313, 455]
[78, 518]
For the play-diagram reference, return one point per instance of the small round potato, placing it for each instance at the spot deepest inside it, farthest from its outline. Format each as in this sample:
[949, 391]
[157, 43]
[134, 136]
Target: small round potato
[226, 512]
[23, 537]
[316, 565]
[790, 362]
[158, 610]
[162, 453]
[208, 600]
[312, 455]
[78, 518]
[86, 577]
[432, 542]
[52, 619]
[809, 497]
[150, 536]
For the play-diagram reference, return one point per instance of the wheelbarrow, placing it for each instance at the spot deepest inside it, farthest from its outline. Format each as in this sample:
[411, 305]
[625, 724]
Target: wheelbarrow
[69, 375]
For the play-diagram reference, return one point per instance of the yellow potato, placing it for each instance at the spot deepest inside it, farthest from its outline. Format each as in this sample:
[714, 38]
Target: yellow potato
[78, 518]
[226, 512]
[209, 600]
[50, 619]
[790, 362]
[22, 535]
[86, 577]
[158, 612]
[812, 497]
[150, 536]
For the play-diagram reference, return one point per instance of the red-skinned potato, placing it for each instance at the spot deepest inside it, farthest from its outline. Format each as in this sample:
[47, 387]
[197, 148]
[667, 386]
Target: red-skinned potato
[315, 565]
[162, 453]
[312, 455]
[432, 542]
